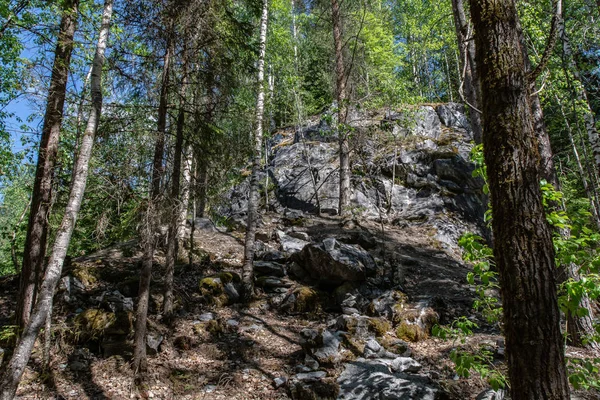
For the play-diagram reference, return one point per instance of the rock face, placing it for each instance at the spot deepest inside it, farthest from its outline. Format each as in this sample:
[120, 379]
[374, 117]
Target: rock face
[425, 150]
[334, 262]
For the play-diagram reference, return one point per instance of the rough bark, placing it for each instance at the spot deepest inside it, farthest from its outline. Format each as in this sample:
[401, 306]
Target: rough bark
[341, 97]
[470, 84]
[248, 268]
[175, 201]
[523, 248]
[40, 313]
[151, 221]
[37, 230]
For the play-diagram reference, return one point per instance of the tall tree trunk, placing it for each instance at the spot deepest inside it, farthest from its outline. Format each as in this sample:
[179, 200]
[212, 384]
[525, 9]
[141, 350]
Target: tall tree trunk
[341, 97]
[185, 190]
[253, 200]
[523, 249]
[37, 230]
[299, 112]
[470, 81]
[175, 203]
[22, 353]
[151, 223]
[581, 95]
[582, 174]
[202, 186]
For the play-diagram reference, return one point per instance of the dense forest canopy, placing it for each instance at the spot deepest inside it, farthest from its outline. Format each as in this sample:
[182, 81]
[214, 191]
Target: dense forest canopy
[183, 100]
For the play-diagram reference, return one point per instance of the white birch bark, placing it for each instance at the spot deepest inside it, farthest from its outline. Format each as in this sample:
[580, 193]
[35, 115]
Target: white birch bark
[185, 190]
[248, 268]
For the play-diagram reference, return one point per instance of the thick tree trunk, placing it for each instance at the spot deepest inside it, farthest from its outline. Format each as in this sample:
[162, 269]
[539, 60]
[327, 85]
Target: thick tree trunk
[523, 249]
[248, 268]
[40, 313]
[341, 96]
[151, 224]
[470, 84]
[175, 203]
[37, 230]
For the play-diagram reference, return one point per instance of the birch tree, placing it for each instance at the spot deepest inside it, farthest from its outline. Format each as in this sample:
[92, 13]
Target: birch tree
[22, 352]
[37, 230]
[253, 197]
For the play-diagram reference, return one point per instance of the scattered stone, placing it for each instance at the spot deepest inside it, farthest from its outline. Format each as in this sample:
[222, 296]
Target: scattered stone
[210, 388]
[279, 381]
[491, 394]
[289, 244]
[300, 235]
[372, 349]
[311, 363]
[270, 282]
[269, 268]
[153, 342]
[232, 323]
[310, 376]
[329, 350]
[275, 256]
[405, 364]
[302, 368]
[115, 301]
[206, 317]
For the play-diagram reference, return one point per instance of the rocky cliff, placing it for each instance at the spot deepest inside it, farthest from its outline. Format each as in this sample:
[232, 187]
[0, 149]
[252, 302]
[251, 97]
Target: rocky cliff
[408, 168]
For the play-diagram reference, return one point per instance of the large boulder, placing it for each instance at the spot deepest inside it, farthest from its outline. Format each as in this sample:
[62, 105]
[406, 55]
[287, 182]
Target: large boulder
[333, 262]
[373, 379]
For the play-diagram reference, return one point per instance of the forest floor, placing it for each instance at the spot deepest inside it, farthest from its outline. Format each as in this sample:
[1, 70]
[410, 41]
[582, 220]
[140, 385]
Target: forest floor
[241, 360]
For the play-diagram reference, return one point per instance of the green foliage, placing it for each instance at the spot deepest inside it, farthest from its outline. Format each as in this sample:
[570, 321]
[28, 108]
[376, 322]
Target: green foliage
[480, 361]
[480, 171]
[483, 277]
[458, 330]
[584, 373]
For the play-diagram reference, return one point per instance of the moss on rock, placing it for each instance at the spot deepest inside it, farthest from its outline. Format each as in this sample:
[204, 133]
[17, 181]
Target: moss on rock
[410, 332]
[86, 275]
[92, 323]
[307, 299]
[379, 326]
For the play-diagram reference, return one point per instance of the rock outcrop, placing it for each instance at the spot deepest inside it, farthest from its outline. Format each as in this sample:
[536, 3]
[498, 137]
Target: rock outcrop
[424, 149]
